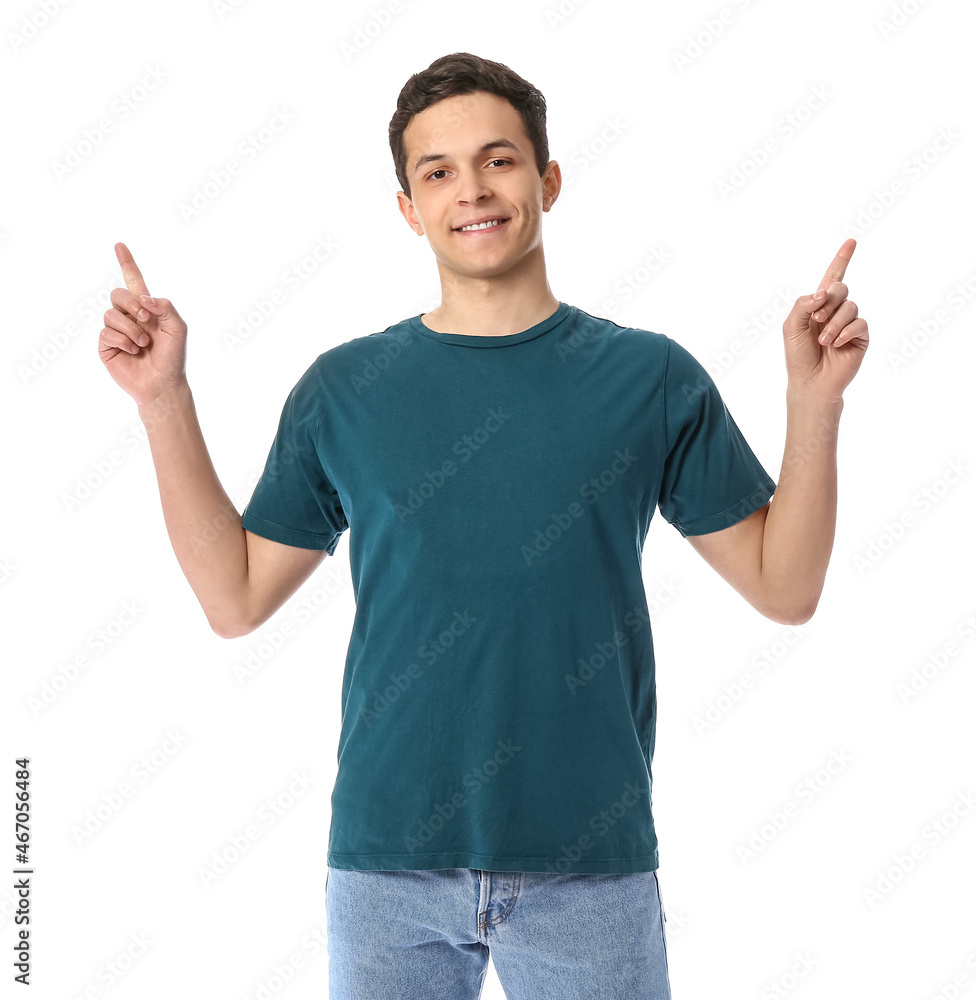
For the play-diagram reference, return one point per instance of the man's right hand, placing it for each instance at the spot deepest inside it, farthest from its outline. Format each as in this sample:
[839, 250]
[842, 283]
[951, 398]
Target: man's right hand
[143, 342]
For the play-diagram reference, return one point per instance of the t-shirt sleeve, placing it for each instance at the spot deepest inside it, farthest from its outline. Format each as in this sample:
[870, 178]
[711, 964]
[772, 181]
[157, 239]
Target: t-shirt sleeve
[711, 477]
[294, 502]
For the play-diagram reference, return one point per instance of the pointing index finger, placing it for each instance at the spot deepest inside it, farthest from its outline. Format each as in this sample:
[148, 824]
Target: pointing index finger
[838, 265]
[133, 276]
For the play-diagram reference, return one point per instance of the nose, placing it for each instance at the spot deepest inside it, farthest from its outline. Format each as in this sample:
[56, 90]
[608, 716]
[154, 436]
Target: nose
[472, 188]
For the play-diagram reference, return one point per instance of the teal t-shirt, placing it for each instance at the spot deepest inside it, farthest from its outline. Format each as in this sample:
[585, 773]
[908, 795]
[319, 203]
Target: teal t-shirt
[498, 700]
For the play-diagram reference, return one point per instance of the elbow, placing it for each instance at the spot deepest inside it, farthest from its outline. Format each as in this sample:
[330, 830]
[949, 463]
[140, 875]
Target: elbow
[798, 615]
[229, 630]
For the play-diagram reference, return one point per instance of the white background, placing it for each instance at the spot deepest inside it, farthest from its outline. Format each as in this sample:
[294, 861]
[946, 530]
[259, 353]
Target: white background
[738, 925]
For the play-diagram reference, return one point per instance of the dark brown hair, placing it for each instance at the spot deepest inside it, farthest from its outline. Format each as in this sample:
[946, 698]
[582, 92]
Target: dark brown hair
[464, 73]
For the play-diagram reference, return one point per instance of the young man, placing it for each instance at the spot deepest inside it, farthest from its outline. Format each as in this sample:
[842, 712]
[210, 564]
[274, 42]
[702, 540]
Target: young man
[498, 461]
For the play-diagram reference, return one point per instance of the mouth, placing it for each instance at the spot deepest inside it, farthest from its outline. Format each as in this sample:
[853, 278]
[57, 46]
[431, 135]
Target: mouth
[489, 226]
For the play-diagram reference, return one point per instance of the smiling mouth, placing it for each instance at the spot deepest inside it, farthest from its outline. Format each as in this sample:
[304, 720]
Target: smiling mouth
[484, 227]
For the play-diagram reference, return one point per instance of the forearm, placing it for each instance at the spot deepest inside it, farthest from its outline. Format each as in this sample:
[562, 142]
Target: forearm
[799, 528]
[204, 526]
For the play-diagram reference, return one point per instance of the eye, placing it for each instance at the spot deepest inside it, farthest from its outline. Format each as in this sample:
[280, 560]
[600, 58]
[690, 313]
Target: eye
[441, 170]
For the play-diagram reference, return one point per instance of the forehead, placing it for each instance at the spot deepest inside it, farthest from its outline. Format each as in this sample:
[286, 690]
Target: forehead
[455, 124]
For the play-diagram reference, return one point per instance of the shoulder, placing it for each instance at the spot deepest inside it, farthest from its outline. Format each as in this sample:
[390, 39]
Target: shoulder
[643, 346]
[357, 357]
[366, 345]
[638, 340]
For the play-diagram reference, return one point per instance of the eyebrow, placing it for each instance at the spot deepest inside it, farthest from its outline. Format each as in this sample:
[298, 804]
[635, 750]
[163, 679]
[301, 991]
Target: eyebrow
[498, 143]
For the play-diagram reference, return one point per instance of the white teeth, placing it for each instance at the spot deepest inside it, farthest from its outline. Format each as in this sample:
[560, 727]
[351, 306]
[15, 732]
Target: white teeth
[481, 225]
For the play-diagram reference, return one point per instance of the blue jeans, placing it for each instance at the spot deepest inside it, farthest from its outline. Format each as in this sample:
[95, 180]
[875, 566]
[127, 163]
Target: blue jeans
[426, 935]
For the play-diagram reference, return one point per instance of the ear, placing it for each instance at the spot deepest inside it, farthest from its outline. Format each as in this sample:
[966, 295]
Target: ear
[552, 184]
[409, 213]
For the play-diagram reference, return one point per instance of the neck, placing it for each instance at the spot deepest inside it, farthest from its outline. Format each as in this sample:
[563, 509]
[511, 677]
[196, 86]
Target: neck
[493, 307]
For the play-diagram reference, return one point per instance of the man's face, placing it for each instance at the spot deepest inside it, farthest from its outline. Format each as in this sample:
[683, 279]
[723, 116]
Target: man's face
[467, 182]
